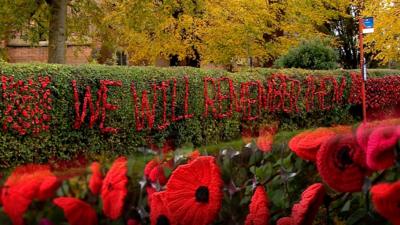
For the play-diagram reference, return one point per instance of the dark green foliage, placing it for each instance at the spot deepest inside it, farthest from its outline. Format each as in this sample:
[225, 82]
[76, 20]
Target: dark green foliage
[313, 54]
[63, 141]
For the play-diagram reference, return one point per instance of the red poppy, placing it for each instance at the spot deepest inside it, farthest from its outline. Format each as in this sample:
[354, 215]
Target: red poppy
[157, 175]
[266, 138]
[113, 190]
[386, 200]
[258, 208]
[150, 190]
[76, 211]
[160, 213]
[285, 221]
[194, 155]
[340, 162]
[25, 184]
[133, 222]
[380, 151]
[304, 212]
[150, 166]
[194, 191]
[96, 180]
[307, 143]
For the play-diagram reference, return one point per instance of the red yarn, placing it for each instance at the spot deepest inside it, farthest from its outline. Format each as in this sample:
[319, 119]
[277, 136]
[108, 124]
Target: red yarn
[386, 198]
[114, 190]
[258, 208]
[96, 180]
[304, 212]
[381, 145]
[76, 211]
[160, 213]
[340, 163]
[307, 143]
[146, 111]
[157, 175]
[25, 184]
[195, 198]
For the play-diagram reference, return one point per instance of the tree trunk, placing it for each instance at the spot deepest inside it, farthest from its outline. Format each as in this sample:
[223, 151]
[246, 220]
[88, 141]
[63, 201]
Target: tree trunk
[57, 31]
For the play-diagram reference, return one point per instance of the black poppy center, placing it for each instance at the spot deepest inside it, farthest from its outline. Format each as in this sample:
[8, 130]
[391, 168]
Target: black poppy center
[202, 194]
[162, 220]
[344, 157]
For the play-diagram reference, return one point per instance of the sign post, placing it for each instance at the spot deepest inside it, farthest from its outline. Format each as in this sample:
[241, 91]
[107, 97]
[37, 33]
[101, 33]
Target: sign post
[366, 26]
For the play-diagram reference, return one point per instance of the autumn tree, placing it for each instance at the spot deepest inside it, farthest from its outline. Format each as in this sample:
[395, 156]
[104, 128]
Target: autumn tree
[384, 43]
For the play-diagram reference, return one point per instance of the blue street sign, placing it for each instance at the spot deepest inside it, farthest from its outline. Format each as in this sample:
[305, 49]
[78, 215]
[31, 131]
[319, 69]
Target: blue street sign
[368, 25]
[368, 22]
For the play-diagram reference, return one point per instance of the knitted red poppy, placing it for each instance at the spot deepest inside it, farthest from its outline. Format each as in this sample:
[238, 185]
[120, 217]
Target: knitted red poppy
[340, 163]
[304, 212]
[381, 144]
[157, 175]
[160, 214]
[76, 211]
[150, 190]
[149, 167]
[113, 190]
[194, 192]
[258, 208]
[386, 199]
[285, 221]
[25, 184]
[194, 155]
[96, 180]
[265, 139]
[307, 143]
[132, 222]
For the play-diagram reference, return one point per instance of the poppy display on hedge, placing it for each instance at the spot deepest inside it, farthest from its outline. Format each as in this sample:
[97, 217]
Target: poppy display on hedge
[381, 147]
[258, 208]
[386, 200]
[307, 143]
[96, 180]
[76, 211]
[304, 212]
[160, 213]
[194, 191]
[341, 163]
[114, 190]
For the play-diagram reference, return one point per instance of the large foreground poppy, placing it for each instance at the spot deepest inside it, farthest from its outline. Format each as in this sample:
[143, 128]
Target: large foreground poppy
[380, 149]
[304, 212]
[386, 200]
[76, 211]
[26, 183]
[194, 192]
[341, 164]
[258, 209]
[159, 211]
[113, 190]
[307, 143]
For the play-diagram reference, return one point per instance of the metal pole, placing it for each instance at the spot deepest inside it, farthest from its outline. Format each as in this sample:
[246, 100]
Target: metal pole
[360, 34]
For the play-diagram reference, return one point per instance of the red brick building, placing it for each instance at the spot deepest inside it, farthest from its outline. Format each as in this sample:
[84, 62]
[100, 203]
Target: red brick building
[18, 51]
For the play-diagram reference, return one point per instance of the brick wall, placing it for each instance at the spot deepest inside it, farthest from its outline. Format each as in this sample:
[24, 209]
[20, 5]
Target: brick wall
[75, 54]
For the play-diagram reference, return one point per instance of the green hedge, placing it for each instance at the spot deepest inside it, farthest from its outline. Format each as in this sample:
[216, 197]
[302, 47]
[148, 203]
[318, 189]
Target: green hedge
[63, 141]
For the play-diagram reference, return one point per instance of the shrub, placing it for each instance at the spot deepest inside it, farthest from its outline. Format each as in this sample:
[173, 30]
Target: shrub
[314, 54]
[48, 128]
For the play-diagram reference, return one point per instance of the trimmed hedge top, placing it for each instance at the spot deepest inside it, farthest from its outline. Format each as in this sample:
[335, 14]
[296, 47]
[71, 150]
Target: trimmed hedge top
[42, 106]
